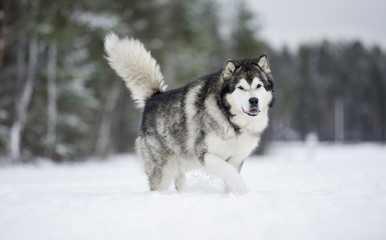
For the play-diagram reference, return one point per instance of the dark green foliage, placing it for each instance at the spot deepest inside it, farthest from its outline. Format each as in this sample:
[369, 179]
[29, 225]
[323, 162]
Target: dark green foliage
[313, 82]
[245, 41]
[185, 39]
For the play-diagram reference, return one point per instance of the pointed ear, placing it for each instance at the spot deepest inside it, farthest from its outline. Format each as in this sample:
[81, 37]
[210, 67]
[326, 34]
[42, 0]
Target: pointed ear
[230, 67]
[263, 63]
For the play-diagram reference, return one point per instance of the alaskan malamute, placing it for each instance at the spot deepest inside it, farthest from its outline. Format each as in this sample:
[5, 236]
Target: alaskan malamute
[214, 122]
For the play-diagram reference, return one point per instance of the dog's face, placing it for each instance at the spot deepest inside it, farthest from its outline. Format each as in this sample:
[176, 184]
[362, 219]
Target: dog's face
[248, 86]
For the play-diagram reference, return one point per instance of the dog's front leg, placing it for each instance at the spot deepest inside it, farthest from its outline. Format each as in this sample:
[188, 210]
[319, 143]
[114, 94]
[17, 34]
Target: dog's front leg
[227, 172]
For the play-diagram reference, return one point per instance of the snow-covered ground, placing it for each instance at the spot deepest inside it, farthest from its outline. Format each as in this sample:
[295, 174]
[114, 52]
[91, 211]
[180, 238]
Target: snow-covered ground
[297, 192]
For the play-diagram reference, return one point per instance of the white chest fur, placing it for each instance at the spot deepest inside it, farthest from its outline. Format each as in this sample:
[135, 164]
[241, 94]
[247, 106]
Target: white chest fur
[234, 149]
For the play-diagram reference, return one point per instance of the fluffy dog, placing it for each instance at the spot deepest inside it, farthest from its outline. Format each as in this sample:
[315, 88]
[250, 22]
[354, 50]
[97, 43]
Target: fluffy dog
[214, 122]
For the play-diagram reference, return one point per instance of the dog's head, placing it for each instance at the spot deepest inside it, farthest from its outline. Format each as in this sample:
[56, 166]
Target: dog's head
[247, 86]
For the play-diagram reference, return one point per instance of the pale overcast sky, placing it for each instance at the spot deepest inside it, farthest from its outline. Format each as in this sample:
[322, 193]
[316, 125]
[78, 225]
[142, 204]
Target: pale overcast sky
[293, 22]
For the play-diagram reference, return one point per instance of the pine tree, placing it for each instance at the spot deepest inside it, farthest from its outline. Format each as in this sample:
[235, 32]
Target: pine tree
[245, 40]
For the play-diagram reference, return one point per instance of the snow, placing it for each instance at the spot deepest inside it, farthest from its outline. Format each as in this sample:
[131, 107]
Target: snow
[298, 191]
[96, 21]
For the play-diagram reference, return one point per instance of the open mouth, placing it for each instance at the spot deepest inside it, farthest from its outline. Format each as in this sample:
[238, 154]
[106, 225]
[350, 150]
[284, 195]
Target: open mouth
[253, 112]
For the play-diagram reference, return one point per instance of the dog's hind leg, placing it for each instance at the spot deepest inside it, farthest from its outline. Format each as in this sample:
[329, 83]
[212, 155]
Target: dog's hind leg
[160, 167]
[160, 173]
[179, 181]
[161, 176]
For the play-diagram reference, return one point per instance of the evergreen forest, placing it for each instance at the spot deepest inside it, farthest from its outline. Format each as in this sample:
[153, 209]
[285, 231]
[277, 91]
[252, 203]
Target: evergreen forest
[59, 99]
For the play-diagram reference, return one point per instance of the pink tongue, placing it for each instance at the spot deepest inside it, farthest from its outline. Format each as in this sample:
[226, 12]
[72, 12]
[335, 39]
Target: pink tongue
[253, 111]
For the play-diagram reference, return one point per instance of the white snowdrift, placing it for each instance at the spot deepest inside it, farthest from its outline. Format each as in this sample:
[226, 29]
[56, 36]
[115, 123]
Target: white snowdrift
[297, 192]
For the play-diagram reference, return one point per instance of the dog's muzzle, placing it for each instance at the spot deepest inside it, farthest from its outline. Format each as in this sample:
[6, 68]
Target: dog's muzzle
[253, 107]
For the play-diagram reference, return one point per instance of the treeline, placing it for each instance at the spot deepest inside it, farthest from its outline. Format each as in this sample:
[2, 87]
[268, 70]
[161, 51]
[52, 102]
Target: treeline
[59, 98]
[335, 90]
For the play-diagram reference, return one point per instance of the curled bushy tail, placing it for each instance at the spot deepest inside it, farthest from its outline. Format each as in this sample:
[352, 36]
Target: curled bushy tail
[133, 63]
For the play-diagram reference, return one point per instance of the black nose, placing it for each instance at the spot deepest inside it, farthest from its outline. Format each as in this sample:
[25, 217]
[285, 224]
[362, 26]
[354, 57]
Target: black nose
[253, 101]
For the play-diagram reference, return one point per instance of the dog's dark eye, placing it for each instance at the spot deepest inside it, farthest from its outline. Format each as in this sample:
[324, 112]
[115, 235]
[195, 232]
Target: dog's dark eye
[258, 86]
[241, 88]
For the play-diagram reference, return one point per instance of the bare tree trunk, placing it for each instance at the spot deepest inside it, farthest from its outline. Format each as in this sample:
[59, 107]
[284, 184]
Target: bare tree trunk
[104, 131]
[24, 100]
[51, 99]
[339, 120]
[3, 39]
